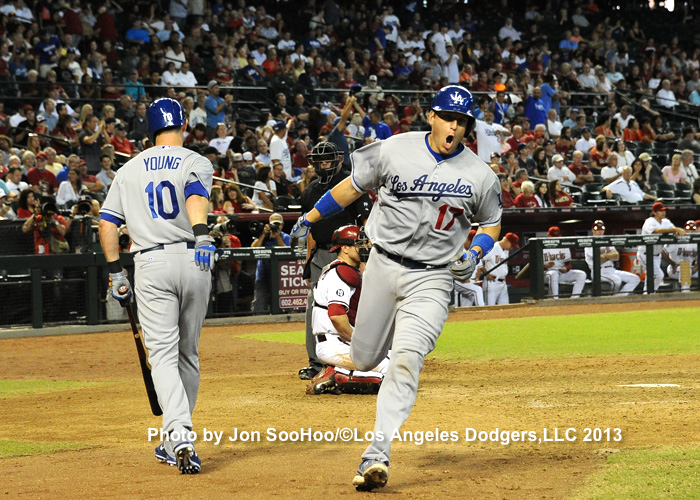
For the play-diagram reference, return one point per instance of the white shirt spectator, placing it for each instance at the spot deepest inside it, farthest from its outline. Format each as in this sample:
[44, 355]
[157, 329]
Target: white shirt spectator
[280, 151]
[584, 145]
[508, 31]
[221, 144]
[288, 45]
[440, 40]
[629, 192]
[554, 128]
[562, 174]
[177, 58]
[487, 139]
[624, 122]
[186, 79]
[261, 185]
[666, 98]
[608, 172]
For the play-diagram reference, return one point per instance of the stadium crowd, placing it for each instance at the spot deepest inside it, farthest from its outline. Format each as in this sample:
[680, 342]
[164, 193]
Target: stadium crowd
[582, 103]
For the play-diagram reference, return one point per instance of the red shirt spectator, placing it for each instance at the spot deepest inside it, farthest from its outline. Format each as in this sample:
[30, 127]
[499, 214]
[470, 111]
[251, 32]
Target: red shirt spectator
[507, 199]
[562, 199]
[120, 142]
[522, 201]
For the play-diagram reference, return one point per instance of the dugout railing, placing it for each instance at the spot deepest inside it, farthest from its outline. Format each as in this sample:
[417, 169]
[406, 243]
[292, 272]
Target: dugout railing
[73, 288]
[538, 245]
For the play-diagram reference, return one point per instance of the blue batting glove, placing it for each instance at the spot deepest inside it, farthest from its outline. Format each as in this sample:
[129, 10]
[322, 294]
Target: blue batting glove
[463, 268]
[204, 251]
[120, 288]
[301, 228]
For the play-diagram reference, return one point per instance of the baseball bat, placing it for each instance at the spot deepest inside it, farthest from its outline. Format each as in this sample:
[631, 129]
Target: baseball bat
[145, 366]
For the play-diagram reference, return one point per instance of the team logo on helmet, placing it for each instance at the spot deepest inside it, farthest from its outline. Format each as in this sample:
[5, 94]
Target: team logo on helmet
[457, 99]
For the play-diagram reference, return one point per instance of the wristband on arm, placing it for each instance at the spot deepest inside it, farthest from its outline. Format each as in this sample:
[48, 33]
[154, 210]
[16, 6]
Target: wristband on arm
[200, 230]
[114, 267]
[484, 241]
[327, 206]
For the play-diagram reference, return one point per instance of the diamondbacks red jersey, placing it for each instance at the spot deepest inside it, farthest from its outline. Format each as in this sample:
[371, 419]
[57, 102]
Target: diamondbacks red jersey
[150, 192]
[337, 292]
[426, 202]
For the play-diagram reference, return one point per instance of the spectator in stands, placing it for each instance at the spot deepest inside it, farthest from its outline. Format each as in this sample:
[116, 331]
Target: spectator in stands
[13, 180]
[554, 126]
[580, 170]
[624, 116]
[222, 140]
[526, 199]
[279, 151]
[106, 175]
[541, 165]
[120, 142]
[27, 204]
[628, 190]
[673, 174]
[695, 194]
[665, 96]
[489, 136]
[506, 195]
[586, 142]
[599, 154]
[216, 107]
[557, 196]
[271, 235]
[91, 182]
[41, 178]
[266, 188]
[612, 171]
[69, 191]
[535, 108]
[559, 172]
[624, 156]
[687, 166]
[689, 140]
[542, 194]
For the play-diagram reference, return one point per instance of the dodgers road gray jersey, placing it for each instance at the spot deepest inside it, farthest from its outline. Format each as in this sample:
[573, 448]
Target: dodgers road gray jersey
[419, 215]
[150, 192]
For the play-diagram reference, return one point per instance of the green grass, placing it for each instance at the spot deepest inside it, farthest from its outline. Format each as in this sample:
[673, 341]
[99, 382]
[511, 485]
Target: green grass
[10, 448]
[647, 474]
[653, 332]
[10, 388]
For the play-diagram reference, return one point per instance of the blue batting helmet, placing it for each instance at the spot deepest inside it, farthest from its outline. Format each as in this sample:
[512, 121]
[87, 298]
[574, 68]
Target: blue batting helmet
[164, 113]
[455, 99]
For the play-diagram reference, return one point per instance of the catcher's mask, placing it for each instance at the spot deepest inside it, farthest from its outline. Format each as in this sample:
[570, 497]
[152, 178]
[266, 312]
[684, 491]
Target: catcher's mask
[326, 159]
[363, 245]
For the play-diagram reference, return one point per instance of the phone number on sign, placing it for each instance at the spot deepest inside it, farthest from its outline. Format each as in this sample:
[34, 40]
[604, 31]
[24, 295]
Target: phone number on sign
[296, 302]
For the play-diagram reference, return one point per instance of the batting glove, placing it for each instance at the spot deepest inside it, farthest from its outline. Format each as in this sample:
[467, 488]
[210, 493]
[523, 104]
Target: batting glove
[120, 288]
[301, 228]
[463, 268]
[204, 251]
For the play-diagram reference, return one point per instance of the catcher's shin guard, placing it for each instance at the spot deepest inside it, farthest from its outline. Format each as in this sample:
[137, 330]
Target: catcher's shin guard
[350, 382]
[322, 383]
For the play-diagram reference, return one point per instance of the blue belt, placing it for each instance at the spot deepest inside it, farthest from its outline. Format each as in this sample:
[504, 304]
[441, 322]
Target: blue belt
[406, 262]
[190, 244]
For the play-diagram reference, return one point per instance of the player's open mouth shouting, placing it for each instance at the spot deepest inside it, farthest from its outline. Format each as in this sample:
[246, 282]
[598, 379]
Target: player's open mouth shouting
[448, 131]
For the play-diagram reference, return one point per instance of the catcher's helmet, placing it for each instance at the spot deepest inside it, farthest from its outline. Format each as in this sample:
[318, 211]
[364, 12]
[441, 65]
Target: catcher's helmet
[345, 235]
[164, 113]
[322, 152]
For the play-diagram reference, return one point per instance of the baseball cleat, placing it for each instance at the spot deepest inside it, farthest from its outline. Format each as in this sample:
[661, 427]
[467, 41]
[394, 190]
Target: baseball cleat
[323, 383]
[308, 373]
[371, 474]
[163, 456]
[188, 461]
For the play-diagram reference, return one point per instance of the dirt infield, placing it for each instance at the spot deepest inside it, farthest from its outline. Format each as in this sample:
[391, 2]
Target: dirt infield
[252, 386]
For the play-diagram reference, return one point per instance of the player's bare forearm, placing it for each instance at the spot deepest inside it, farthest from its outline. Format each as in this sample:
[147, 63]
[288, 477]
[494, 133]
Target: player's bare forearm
[342, 326]
[197, 209]
[109, 239]
[344, 194]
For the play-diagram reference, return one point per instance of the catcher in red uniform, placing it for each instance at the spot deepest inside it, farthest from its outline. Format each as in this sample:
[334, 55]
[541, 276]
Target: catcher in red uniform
[336, 295]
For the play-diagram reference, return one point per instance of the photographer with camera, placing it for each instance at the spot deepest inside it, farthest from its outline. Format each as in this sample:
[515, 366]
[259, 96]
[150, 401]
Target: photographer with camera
[49, 229]
[271, 236]
[225, 274]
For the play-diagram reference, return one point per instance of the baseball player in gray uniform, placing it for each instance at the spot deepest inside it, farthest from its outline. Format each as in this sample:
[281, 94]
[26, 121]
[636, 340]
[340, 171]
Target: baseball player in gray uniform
[163, 196]
[429, 190]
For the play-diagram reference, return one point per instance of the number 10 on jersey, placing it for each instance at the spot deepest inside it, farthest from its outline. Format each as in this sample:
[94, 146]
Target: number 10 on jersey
[155, 200]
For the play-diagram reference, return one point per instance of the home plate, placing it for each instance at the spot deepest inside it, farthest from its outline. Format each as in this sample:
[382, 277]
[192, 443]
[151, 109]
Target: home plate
[649, 385]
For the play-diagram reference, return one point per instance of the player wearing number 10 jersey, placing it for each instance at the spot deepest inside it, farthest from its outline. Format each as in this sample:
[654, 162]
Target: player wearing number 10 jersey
[430, 189]
[163, 197]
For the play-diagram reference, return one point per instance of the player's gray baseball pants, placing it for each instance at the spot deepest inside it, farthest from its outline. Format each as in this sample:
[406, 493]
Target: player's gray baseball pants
[172, 296]
[405, 310]
[320, 260]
